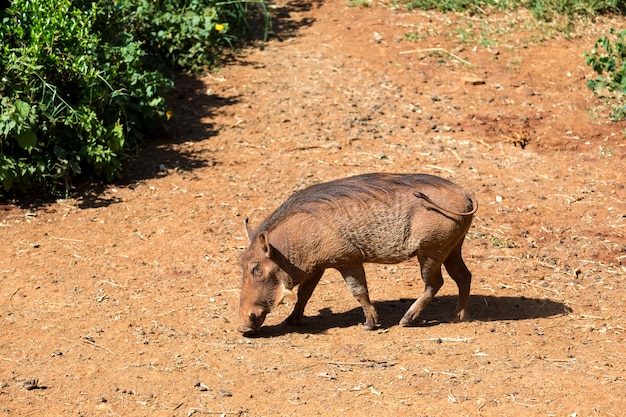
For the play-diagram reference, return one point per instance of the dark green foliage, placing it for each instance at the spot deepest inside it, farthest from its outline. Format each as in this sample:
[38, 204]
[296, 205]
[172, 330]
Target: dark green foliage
[549, 10]
[608, 60]
[459, 5]
[69, 100]
[541, 9]
[81, 81]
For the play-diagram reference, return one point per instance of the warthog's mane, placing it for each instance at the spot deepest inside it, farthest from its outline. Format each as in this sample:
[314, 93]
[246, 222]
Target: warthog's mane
[362, 190]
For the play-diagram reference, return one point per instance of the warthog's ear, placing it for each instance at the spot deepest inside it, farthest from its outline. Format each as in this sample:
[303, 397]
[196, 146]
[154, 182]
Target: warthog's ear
[249, 230]
[264, 243]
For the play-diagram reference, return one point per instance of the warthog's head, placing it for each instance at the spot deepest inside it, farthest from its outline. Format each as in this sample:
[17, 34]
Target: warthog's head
[262, 285]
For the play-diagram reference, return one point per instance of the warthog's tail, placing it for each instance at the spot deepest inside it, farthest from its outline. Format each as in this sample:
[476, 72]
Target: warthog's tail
[438, 207]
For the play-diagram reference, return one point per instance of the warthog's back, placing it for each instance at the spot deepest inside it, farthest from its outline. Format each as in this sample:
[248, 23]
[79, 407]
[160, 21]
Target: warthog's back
[379, 215]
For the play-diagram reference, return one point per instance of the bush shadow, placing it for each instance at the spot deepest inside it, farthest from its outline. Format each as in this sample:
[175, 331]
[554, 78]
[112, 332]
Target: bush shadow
[285, 25]
[193, 108]
[441, 310]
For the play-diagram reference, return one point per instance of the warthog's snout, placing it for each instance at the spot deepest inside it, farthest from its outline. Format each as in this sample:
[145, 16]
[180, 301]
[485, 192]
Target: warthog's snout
[252, 321]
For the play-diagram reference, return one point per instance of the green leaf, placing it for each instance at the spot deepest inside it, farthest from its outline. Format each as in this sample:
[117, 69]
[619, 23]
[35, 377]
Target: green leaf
[23, 109]
[27, 139]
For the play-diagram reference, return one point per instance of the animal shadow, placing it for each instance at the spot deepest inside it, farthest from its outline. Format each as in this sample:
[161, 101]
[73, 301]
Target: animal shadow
[485, 308]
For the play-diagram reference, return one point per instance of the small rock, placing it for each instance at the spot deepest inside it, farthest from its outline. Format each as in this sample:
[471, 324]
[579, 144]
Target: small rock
[524, 90]
[472, 81]
[31, 384]
[201, 386]
[224, 393]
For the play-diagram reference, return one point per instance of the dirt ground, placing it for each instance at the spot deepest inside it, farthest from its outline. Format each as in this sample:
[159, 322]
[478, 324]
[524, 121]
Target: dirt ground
[123, 300]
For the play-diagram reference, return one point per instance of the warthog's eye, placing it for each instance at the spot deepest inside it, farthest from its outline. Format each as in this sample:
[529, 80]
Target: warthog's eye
[256, 271]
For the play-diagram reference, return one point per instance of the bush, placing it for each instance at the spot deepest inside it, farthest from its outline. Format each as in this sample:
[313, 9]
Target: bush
[608, 60]
[177, 34]
[549, 10]
[70, 100]
[546, 10]
[81, 81]
[459, 5]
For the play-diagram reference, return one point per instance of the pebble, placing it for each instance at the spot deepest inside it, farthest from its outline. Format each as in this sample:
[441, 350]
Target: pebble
[472, 81]
[31, 384]
[524, 90]
[201, 386]
[224, 393]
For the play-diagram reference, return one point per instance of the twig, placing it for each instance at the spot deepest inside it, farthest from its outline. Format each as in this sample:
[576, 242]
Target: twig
[510, 287]
[89, 342]
[14, 292]
[457, 156]
[304, 148]
[365, 363]
[450, 374]
[571, 199]
[437, 50]
[440, 168]
[590, 317]
[67, 239]
[545, 265]
[222, 413]
[447, 339]
[559, 360]
[249, 145]
[523, 404]
[540, 287]
[451, 397]
[379, 157]
[111, 283]
[495, 401]
[485, 143]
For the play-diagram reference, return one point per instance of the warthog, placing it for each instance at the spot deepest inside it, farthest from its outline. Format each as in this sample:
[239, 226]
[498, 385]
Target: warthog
[341, 224]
